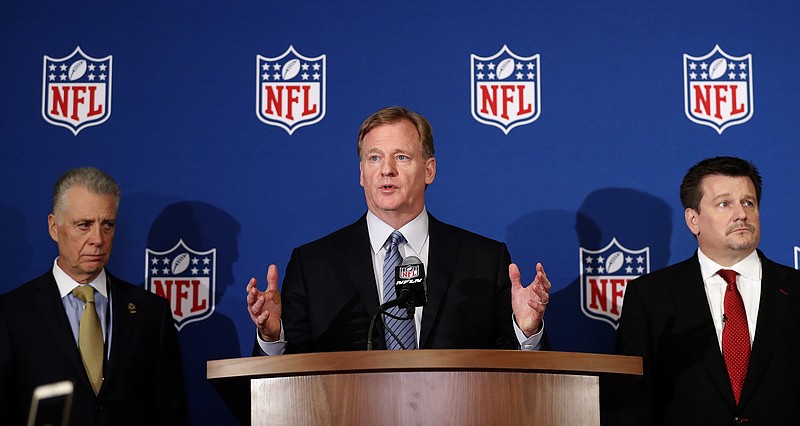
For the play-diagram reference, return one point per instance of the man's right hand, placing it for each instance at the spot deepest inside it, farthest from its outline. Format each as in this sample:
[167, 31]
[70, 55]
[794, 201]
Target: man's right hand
[265, 307]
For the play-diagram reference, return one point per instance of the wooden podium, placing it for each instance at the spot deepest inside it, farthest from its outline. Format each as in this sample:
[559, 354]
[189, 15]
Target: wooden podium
[457, 387]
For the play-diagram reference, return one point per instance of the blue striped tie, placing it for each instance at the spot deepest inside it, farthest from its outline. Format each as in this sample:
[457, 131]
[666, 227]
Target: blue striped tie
[406, 335]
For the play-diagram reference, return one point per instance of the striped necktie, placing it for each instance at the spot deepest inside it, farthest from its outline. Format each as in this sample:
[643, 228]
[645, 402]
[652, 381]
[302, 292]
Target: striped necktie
[399, 334]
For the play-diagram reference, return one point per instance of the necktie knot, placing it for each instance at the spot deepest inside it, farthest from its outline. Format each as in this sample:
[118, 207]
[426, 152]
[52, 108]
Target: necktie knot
[85, 293]
[393, 241]
[729, 276]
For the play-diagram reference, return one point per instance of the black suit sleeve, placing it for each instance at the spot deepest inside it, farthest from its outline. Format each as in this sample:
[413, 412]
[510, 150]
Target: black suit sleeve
[296, 311]
[503, 320]
[6, 377]
[168, 384]
[630, 403]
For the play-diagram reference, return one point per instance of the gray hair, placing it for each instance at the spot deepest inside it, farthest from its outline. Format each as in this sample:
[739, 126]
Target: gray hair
[94, 180]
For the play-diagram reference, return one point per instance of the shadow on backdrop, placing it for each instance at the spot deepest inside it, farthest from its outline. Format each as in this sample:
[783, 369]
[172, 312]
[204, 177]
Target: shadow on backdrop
[16, 251]
[554, 237]
[203, 227]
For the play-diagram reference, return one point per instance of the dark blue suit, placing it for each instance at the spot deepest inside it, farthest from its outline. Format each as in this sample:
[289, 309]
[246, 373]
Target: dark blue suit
[143, 377]
[329, 293]
[667, 321]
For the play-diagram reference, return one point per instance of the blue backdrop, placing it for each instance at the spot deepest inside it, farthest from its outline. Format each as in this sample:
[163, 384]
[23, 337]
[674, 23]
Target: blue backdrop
[606, 106]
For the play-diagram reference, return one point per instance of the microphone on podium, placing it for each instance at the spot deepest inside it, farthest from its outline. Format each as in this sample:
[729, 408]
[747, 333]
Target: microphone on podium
[410, 290]
[409, 283]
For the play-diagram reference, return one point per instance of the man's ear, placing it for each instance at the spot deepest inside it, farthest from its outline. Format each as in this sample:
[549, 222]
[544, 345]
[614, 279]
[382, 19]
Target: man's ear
[692, 220]
[430, 170]
[52, 226]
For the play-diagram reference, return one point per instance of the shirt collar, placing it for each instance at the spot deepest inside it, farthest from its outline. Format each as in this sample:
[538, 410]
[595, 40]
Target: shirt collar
[66, 284]
[415, 232]
[749, 267]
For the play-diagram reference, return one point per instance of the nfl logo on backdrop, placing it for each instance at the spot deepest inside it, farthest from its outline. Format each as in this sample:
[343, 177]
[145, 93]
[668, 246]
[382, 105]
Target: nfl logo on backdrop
[290, 90]
[76, 90]
[604, 275]
[186, 278]
[505, 89]
[718, 89]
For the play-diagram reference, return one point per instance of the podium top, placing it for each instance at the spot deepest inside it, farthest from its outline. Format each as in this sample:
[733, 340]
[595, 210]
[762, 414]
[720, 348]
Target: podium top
[573, 363]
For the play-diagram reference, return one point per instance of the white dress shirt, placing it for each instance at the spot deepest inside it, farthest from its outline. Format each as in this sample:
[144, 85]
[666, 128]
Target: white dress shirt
[74, 307]
[748, 282]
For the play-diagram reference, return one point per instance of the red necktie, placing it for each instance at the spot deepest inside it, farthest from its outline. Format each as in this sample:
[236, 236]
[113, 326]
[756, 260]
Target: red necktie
[735, 334]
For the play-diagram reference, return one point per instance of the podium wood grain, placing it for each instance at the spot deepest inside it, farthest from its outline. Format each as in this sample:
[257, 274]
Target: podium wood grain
[436, 387]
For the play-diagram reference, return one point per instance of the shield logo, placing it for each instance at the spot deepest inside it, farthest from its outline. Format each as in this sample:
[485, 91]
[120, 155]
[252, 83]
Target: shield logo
[185, 277]
[505, 89]
[409, 271]
[718, 89]
[76, 90]
[604, 275]
[290, 90]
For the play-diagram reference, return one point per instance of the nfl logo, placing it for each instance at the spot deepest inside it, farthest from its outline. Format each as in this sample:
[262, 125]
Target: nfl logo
[411, 271]
[604, 275]
[290, 90]
[718, 89]
[186, 278]
[505, 89]
[76, 90]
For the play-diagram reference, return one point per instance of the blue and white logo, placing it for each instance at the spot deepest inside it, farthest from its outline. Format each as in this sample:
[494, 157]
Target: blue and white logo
[76, 90]
[290, 90]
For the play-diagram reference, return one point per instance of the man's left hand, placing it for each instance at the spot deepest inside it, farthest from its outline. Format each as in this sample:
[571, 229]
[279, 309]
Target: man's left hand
[529, 303]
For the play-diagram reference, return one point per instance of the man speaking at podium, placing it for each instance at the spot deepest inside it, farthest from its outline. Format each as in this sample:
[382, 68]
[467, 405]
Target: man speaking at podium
[332, 286]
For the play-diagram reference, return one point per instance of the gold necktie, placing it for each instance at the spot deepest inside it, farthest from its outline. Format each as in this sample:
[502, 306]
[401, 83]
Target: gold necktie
[90, 339]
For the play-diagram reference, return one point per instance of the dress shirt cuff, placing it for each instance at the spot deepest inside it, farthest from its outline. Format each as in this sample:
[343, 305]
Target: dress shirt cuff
[533, 343]
[277, 347]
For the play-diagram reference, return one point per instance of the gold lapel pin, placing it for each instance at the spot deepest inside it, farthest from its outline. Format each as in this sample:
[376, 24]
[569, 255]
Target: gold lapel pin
[132, 308]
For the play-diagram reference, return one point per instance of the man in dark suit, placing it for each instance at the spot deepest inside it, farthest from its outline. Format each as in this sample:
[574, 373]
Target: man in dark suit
[335, 284]
[119, 347]
[719, 333]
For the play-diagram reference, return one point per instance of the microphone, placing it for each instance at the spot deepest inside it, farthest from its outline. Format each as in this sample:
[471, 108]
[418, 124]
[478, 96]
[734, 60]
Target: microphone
[409, 283]
[410, 292]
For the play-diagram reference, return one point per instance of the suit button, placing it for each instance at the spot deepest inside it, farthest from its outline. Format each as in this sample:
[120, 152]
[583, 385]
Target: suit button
[98, 408]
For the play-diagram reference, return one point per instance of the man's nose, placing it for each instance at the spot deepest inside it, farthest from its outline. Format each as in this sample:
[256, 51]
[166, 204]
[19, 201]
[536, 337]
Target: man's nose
[96, 236]
[388, 168]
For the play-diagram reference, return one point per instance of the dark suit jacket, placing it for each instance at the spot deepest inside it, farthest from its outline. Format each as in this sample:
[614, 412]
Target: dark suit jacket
[143, 377]
[329, 293]
[666, 320]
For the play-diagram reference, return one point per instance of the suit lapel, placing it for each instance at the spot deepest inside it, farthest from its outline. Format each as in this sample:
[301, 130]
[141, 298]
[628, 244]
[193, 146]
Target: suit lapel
[689, 298]
[355, 252]
[776, 299]
[123, 319]
[52, 311]
[443, 249]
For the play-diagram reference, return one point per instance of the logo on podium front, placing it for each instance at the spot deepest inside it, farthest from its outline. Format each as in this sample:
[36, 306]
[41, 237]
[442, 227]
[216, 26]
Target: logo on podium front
[76, 90]
[604, 275]
[718, 89]
[505, 89]
[186, 278]
[290, 90]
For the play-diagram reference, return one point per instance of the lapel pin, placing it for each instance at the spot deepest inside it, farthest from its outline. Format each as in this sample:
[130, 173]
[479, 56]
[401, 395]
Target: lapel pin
[132, 308]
